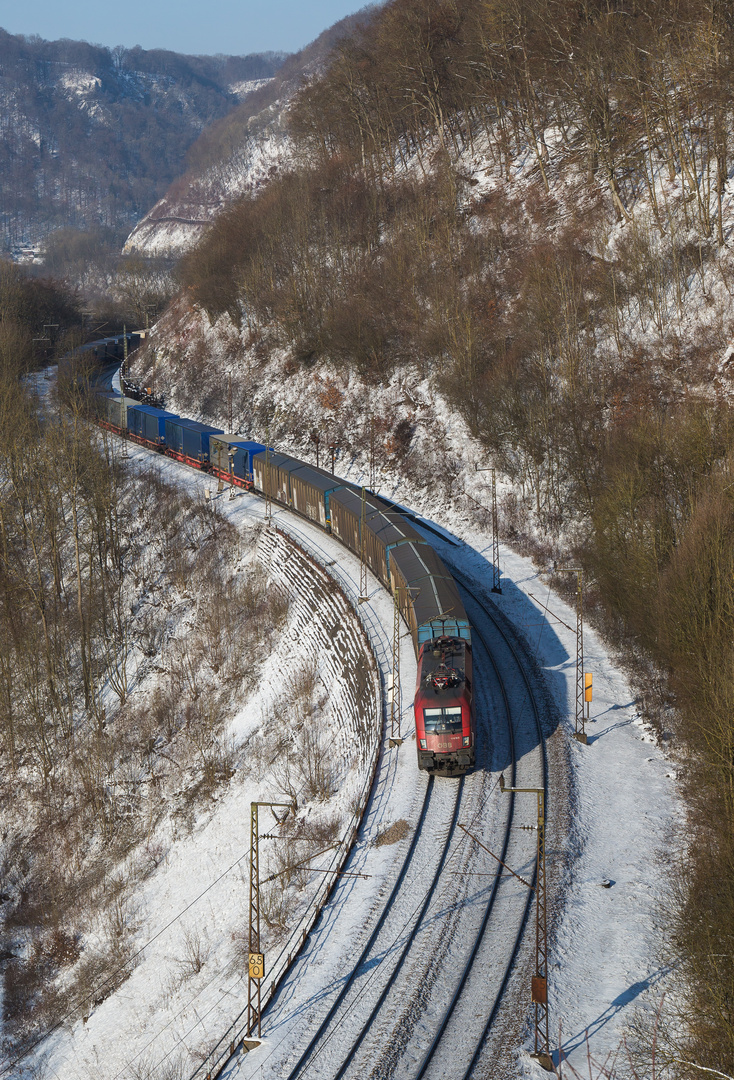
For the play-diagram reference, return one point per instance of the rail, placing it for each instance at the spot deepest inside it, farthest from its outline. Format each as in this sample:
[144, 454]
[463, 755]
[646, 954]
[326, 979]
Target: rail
[237, 1033]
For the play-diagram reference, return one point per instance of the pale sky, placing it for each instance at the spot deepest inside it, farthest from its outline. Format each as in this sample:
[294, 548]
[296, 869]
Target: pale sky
[234, 27]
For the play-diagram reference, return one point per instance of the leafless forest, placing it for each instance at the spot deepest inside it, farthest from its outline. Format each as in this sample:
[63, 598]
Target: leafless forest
[576, 311]
[107, 575]
[530, 203]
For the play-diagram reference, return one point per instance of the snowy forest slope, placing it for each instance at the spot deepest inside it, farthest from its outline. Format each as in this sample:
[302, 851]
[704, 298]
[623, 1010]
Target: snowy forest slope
[236, 155]
[504, 236]
[159, 669]
[91, 136]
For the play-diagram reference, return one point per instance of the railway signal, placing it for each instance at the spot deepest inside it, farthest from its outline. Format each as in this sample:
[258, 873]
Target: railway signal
[125, 453]
[588, 693]
[256, 965]
[539, 981]
[220, 485]
[231, 474]
[256, 959]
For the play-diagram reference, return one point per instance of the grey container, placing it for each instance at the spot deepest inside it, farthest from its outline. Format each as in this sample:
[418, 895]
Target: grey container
[427, 594]
[241, 451]
[384, 529]
[117, 408]
[99, 404]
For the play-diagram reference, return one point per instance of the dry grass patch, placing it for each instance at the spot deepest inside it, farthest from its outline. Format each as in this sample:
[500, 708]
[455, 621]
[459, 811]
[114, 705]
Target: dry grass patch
[394, 833]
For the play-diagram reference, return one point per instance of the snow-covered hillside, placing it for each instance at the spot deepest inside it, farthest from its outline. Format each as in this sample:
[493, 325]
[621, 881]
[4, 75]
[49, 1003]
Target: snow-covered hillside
[182, 217]
[303, 728]
[607, 871]
[93, 136]
[505, 245]
[234, 157]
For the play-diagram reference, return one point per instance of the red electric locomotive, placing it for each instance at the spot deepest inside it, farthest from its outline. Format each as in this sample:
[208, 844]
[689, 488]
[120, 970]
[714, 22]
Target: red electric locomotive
[445, 727]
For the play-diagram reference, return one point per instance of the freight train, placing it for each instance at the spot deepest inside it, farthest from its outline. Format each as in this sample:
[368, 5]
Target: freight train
[368, 525]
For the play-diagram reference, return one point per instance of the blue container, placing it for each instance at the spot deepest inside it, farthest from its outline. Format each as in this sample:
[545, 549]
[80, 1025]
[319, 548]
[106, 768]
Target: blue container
[188, 440]
[245, 453]
[149, 423]
[135, 421]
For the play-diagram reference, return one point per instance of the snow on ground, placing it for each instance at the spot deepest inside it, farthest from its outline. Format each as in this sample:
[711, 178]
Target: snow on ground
[626, 821]
[197, 898]
[627, 814]
[246, 86]
[79, 82]
[627, 817]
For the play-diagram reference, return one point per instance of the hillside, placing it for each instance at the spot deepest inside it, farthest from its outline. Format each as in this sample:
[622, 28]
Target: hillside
[92, 136]
[234, 156]
[502, 238]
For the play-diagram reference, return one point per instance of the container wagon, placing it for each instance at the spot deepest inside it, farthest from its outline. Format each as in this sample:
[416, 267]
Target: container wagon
[188, 441]
[230, 458]
[147, 425]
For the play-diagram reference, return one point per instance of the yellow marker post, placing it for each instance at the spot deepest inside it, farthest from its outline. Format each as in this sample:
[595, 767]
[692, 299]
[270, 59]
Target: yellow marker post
[588, 680]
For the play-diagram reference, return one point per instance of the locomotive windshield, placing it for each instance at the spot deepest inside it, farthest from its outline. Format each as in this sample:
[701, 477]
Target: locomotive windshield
[442, 721]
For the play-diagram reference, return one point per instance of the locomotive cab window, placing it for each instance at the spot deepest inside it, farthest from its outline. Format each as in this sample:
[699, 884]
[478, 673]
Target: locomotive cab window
[442, 721]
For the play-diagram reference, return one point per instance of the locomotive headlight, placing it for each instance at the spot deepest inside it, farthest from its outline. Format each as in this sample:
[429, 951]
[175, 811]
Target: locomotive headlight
[466, 740]
[422, 743]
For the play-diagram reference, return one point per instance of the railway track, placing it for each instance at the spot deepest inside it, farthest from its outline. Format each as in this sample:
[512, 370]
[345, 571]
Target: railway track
[459, 1043]
[389, 946]
[420, 999]
[449, 1037]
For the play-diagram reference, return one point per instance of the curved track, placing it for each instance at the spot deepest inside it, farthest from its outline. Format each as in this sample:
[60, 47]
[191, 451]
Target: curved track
[422, 996]
[457, 1045]
[389, 944]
